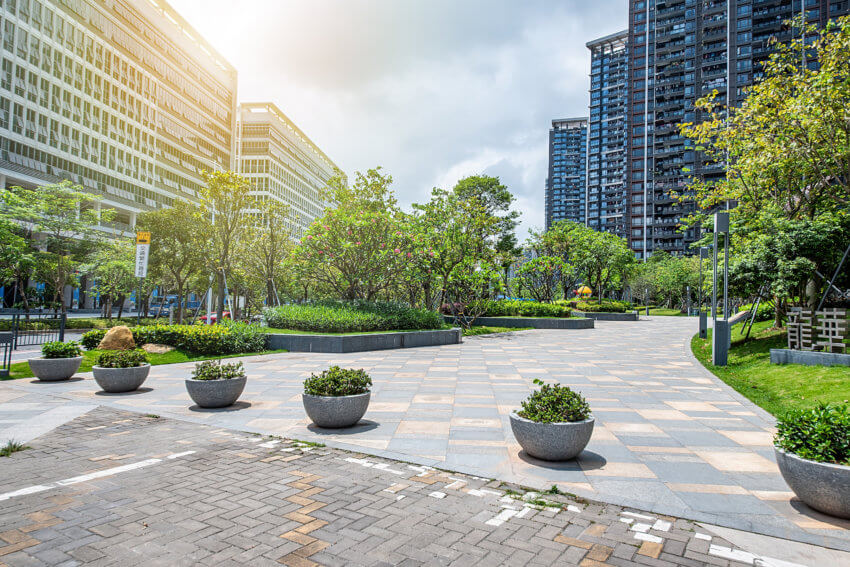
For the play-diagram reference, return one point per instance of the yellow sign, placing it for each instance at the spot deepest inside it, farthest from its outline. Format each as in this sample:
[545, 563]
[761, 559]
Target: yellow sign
[143, 238]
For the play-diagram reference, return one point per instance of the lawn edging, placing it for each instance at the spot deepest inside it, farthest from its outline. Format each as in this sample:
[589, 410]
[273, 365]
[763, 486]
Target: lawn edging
[363, 342]
[808, 357]
[604, 316]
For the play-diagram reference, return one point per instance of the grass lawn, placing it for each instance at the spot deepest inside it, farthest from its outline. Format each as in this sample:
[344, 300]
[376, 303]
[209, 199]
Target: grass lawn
[490, 330]
[22, 369]
[665, 312]
[775, 387]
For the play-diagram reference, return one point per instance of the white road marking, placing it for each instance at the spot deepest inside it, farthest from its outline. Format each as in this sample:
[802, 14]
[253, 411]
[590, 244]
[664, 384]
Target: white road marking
[648, 537]
[640, 528]
[636, 515]
[662, 526]
[502, 517]
[178, 455]
[705, 537]
[577, 510]
[732, 554]
[437, 494]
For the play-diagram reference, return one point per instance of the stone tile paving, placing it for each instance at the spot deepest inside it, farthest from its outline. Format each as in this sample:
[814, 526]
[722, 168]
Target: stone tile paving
[669, 437]
[119, 488]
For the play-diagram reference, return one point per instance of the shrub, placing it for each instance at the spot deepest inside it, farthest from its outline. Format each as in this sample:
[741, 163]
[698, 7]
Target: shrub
[58, 349]
[215, 370]
[225, 338]
[765, 312]
[342, 317]
[821, 433]
[122, 358]
[519, 308]
[604, 306]
[336, 381]
[554, 404]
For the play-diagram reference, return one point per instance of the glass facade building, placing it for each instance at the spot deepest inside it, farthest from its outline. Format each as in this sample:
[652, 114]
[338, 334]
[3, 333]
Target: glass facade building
[282, 162]
[606, 147]
[566, 184]
[121, 97]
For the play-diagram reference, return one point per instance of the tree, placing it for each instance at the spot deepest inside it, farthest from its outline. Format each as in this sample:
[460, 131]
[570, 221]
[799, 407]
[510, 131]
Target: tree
[267, 246]
[176, 252]
[113, 270]
[60, 221]
[225, 199]
[469, 285]
[542, 276]
[359, 248]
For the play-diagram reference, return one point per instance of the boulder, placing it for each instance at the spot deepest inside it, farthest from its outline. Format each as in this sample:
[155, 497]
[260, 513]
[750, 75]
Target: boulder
[152, 348]
[118, 338]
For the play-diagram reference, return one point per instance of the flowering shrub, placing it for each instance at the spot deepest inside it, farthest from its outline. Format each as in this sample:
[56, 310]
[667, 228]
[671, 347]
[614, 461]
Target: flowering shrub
[225, 338]
[343, 317]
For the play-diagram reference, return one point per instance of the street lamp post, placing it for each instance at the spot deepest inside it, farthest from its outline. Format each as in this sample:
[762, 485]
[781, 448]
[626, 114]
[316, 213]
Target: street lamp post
[720, 335]
[703, 317]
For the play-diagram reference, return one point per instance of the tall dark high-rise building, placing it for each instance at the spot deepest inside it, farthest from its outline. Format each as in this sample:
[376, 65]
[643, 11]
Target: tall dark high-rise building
[566, 184]
[679, 51]
[606, 146]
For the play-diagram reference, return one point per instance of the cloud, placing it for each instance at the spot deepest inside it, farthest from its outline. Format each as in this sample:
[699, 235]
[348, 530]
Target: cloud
[432, 91]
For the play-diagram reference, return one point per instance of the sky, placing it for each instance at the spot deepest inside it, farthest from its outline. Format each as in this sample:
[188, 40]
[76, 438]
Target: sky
[432, 90]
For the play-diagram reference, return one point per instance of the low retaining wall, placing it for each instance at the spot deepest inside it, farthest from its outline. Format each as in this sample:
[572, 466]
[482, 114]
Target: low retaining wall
[808, 357]
[533, 322]
[607, 316]
[358, 343]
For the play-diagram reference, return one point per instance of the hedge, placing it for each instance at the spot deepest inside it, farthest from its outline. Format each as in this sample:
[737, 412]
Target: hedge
[225, 338]
[344, 317]
[604, 306]
[517, 308]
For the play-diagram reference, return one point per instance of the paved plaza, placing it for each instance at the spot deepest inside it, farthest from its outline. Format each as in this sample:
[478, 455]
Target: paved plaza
[120, 488]
[670, 438]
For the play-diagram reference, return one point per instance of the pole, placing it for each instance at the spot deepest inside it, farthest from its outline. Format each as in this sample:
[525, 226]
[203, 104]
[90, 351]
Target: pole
[139, 303]
[726, 276]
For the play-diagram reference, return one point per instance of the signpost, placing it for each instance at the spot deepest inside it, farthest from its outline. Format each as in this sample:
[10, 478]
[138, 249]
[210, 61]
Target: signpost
[143, 245]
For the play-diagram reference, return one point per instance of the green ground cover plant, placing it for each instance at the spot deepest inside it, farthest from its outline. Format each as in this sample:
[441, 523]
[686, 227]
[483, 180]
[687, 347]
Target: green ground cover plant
[225, 338]
[215, 370]
[122, 358]
[336, 381]
[777, 388]
[604, 306]
[554, 403]
[58, 349]
[820, 433]
[344, 316]
[484, 330]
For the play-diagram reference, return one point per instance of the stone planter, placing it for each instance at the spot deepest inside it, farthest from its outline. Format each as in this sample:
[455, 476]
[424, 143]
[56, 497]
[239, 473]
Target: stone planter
[823, 486]
[54, 369]
[334, 412]
[215, 393]
[552, 441]
[115, 380]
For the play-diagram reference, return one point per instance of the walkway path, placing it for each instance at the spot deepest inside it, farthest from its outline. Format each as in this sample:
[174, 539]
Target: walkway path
[669, 438]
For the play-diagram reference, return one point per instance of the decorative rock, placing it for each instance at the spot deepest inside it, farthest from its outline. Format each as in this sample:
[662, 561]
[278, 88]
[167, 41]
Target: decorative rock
[334, 412]
[552, 441]
[152, 348]
[117, 338]
[215, 393]
[823, 486]
[116, 380]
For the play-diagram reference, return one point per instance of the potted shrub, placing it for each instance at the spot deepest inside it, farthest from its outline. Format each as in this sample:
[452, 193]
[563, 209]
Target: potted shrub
[121, 370]
[554, 423]
[813, 453]
[59, 361]
[216, 385]
[338, 397]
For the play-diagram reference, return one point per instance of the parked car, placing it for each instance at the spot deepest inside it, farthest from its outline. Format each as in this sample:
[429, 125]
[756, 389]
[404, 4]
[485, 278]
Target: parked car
[214, 316]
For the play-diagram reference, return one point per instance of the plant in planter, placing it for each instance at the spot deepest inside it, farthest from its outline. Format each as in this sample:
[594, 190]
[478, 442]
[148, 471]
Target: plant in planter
[554, 423]
[121, 370]
[338, 397]
[216, 385]
[813, 453]
[59, 361]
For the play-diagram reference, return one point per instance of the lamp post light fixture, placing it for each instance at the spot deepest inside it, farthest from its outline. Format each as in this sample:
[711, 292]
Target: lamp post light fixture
[646, 299]
[720, 334]
[703, 316]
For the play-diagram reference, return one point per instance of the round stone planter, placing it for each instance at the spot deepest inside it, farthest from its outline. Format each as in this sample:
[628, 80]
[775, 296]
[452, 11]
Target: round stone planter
[215, 393]
[333, 412]
[54, 369]
[115, 380]
[823, 486]
[552, 441]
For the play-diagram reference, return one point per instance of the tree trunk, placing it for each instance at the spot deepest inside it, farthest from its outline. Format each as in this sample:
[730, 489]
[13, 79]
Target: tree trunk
[120, 306]
[219, 310]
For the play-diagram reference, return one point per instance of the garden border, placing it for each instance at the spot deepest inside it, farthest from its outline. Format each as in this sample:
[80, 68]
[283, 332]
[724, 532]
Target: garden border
[533, 322]
[362, 342]
[604, 316]
[808, 357]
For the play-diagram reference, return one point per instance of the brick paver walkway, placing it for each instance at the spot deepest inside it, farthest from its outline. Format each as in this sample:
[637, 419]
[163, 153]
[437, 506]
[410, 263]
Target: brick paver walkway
[670, 437]
[119, 488]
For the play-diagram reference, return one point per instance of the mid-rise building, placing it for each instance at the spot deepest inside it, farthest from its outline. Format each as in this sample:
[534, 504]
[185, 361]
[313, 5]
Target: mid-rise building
[606, 146]
[282, 162]
[122, 97]
[566, 184]
[679, 51]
